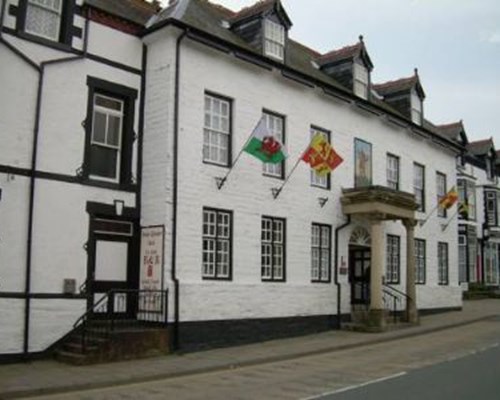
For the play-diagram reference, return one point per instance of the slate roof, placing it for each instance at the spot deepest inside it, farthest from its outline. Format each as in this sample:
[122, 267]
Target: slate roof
[481, 147]
[451, 131]
[208, 18]
[341, 54]
[136, 11]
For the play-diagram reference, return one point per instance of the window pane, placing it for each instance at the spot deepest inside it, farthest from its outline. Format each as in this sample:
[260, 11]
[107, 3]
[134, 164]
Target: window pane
[42, 20]
[99, 128]
[103, 161]
[114, 127]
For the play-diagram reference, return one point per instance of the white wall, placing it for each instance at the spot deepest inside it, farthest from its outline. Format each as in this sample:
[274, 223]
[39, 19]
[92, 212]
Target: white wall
[248, 194]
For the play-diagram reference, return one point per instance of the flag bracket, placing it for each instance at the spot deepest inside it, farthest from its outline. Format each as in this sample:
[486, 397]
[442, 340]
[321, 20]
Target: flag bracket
[276, 192]
[322, 201]
[220, 182]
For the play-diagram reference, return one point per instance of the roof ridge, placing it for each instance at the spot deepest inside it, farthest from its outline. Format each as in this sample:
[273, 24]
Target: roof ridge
[220, 8]
[395, 81]
[245, 11]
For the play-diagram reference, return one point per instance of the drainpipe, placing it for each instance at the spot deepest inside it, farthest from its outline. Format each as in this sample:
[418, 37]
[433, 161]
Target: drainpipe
[175, 189]
[336, 270]
[36, 130]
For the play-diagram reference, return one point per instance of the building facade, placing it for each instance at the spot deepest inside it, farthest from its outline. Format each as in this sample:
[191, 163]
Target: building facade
[135, 120]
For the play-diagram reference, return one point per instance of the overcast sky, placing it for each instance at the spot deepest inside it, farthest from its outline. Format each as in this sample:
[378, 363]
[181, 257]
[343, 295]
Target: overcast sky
[455, 44]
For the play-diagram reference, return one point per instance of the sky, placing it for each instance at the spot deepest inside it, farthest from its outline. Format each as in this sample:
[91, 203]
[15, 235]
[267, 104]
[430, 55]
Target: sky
[455, 44]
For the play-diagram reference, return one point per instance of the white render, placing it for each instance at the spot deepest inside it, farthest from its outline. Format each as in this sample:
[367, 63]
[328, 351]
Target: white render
[61, 222]
[248, 194]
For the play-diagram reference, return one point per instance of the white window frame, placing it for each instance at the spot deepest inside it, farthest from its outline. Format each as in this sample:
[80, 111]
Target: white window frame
[274, 39]
[320, 253]
[216, 249]
[360, 80]
[419, 185]
[416, 108]
[217, 130]
[273, 249]
[392, 171]
[108, 112]
[318, 180]
[276, 126]
[49, 7]
[441, 191]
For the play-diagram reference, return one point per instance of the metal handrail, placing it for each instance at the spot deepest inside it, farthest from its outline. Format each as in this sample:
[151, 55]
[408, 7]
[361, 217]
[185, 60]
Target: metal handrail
[143, 298]
[396, 290]
[396, 296]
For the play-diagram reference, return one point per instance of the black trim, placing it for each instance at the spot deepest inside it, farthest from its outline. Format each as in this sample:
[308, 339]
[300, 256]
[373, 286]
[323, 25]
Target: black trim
[423, 282]
[416, 164]
[231, 234]
[13, 10]
[74, 179]
[175, 190]
[140, 149]
[67, 49]
[447, 281]
[297, 79]
[329, 277]
[128, 96]
[253, 60]
[336, 270]
[114, 64]
[272, 278]
[76, 32]
[55, 296]
[66, 24]
[200, 335]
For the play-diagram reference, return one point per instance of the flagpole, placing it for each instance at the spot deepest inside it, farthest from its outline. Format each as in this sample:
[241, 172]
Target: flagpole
[221, 181]
[422, 223]
[276, 192]
[451, 219]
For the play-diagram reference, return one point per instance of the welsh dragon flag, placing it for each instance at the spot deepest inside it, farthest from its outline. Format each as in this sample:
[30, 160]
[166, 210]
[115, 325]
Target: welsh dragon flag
[265, 146]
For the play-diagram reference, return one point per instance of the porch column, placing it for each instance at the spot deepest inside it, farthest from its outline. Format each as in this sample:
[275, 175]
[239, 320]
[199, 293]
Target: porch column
[376, 273]
[411, 292]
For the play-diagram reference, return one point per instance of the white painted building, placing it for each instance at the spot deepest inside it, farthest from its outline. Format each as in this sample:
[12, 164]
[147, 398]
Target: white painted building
[239, 263]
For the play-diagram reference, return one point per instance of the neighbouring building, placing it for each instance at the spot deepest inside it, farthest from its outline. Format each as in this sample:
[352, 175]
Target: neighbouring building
[124, 175]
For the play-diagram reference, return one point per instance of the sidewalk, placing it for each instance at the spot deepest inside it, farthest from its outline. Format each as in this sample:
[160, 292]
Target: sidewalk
[46, 377]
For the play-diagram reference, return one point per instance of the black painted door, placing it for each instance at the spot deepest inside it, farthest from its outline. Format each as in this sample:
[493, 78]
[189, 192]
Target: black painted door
[359, 275]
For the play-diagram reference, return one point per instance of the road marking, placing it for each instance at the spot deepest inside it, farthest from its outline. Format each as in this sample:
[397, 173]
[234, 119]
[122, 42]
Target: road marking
[352, 387]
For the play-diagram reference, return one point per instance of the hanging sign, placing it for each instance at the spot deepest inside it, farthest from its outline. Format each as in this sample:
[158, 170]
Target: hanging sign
[151, 274]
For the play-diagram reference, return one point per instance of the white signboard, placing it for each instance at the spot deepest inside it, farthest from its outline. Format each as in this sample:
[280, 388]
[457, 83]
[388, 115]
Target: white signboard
[151, 277]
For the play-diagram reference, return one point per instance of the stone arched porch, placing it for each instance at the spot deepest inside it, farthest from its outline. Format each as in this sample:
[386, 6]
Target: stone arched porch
[377, 204]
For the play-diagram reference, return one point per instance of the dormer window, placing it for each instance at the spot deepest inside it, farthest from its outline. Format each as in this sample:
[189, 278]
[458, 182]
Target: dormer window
[416, 108]
[274, 35]
[360, 81]
[43, 18]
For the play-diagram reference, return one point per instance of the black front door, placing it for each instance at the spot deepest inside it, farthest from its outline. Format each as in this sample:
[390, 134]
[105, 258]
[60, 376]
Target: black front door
[113, 268]
[359, 275]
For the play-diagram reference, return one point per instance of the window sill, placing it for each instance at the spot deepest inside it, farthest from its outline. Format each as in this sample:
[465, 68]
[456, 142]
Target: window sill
[280, 178]
[44, 42]
[214, 164]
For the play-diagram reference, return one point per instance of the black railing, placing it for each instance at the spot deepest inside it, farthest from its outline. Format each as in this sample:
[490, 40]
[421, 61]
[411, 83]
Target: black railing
[123, 310]
[393, 300]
